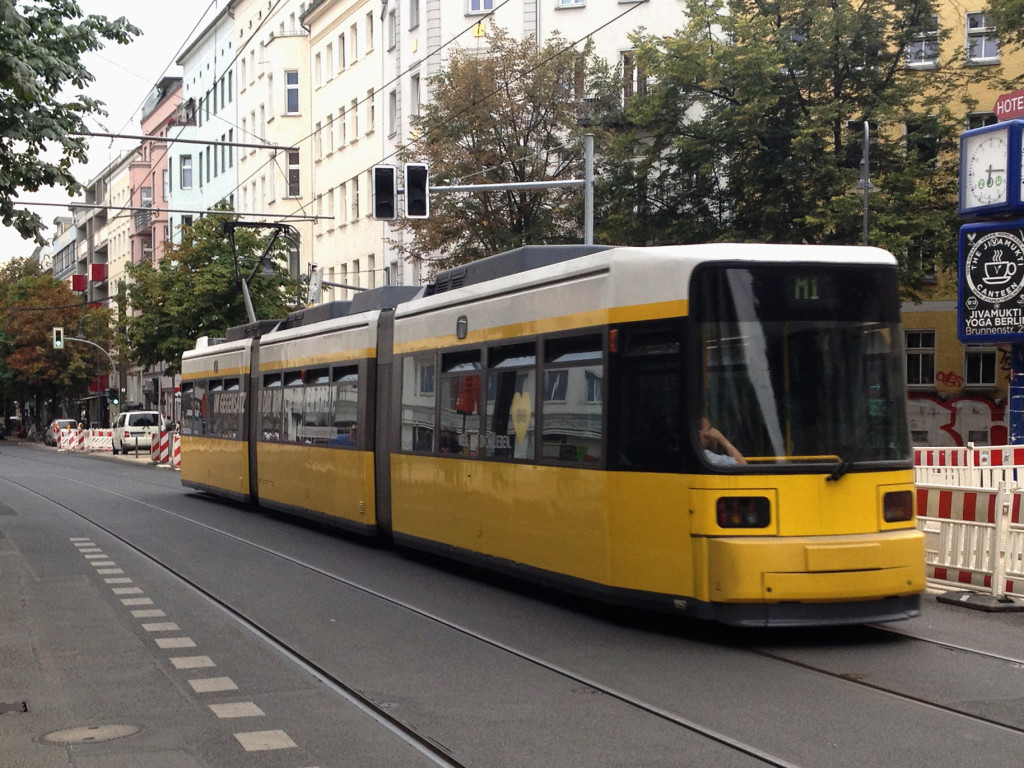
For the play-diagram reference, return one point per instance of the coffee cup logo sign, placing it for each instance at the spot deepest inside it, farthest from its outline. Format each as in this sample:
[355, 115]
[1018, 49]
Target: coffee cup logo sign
[994, 276]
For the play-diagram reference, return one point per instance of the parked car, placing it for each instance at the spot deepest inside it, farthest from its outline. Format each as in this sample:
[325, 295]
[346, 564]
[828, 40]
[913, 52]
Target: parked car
[135, 428]
[52, 435]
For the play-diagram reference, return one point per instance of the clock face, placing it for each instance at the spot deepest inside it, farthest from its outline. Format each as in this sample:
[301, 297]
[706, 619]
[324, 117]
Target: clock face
[986, 159]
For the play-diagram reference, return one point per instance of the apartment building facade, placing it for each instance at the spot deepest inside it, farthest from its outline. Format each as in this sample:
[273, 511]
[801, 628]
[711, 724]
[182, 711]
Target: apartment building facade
[202, 167]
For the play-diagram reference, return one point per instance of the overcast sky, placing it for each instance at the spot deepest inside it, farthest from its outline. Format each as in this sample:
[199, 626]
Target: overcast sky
[124, 74]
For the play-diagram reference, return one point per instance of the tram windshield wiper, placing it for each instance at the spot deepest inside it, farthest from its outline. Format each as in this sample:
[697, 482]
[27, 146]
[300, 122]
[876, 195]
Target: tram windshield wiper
[856, 451]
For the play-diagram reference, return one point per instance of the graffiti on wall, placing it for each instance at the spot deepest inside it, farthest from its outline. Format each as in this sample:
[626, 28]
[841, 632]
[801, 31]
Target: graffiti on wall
[956, 421]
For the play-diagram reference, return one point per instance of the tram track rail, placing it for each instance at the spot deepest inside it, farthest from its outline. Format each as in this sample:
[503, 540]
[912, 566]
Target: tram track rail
[421, 742]
[439, 755]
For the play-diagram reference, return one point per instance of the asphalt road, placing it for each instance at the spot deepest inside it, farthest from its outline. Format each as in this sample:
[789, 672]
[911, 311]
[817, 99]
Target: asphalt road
[144, 625]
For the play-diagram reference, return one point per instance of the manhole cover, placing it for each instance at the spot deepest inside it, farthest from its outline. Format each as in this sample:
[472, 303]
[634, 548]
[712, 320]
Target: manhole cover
[91, 734]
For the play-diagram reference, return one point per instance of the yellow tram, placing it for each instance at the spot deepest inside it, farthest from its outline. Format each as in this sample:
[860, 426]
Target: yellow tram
[714, 430]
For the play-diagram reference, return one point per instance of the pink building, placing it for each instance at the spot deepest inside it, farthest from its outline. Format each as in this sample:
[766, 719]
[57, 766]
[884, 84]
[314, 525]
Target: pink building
[149, 173]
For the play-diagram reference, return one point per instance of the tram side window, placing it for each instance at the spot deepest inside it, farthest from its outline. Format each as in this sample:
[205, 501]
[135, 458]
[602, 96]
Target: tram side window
[226, 407]
[418, 397]
[648, 399]
[294, 390]
[571, 417]
[191, 403]
[271, 406]
[216, 386]
[460, 403]
[316, 411]
[345, 383]
[511, 389]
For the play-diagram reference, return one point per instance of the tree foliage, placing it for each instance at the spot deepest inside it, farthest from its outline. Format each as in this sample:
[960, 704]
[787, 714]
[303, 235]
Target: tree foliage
[1008, 16]
[32, 303]
[195, 291]
[40, 48]
[748, 127]
[509, 116]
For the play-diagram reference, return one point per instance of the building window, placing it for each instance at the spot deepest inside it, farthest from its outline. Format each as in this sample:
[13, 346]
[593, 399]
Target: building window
[414, 95]
[294, 189]
[186, 172]
[566, 3]
[980, 367]
[982, 41]
[371, 114]
[922, 136]
[981, 119]
[369, 31]
[291, 79]
[923, 50]
[633, 79]
[414, 14]
[392, 113]
[920, 358]
[480, 6]
[392, 29]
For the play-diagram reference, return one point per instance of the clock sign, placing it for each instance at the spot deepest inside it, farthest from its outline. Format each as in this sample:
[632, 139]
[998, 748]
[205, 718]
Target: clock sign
[991, 181]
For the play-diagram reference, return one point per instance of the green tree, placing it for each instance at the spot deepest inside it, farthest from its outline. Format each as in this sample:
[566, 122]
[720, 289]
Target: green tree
[40, 48]
[1008, 16]
[747, 125]
[510, 116]
[32, 304]
[195, 291]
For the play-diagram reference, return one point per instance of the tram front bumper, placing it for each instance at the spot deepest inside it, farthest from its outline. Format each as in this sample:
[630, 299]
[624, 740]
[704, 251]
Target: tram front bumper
[758, 569]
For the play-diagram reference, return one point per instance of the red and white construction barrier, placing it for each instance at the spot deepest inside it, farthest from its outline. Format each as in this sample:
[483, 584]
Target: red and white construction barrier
[160, 451]
[973, 537]
[176, 451]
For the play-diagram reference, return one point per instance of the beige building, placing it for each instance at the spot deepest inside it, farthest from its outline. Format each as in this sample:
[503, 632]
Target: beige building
[346, 142]
[958, 394]
[274, 107]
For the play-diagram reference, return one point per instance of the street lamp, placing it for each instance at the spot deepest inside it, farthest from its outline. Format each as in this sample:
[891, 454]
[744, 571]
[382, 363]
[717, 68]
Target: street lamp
[864, 186]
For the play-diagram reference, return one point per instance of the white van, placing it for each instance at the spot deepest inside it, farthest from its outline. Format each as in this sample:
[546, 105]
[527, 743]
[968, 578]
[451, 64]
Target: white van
[135, 429]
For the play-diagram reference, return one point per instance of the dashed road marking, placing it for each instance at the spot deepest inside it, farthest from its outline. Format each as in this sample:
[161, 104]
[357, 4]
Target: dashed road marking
[213, 684]
[137, 601]
[162, 626]
[192, 662]
[148, 613]
[257, 741]
[175, 642]
[237, 709]
[252, 741]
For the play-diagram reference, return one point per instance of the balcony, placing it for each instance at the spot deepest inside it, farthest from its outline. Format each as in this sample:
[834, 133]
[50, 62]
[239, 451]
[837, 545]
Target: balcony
[143, 221]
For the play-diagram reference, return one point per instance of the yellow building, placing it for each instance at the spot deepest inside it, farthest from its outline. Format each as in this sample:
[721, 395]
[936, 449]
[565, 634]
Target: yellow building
[958, 394]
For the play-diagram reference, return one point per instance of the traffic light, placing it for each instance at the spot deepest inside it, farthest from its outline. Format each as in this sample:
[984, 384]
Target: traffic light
[417, 191]
[113, 396]
[58, 337]
[384, 191]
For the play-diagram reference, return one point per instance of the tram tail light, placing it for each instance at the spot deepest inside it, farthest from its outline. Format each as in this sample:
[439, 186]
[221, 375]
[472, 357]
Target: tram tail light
[743, 512]
[898, 507]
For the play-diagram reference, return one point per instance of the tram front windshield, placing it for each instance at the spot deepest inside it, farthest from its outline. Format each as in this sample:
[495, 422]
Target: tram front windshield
[802, 364]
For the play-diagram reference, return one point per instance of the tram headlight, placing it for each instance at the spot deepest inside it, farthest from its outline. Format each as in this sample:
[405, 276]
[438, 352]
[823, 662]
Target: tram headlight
[898, 507]
[743, 512]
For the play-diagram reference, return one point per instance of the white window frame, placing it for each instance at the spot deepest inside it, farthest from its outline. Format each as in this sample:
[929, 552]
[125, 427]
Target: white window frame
[919, 352]
[984, 33]
[291, 88]
[479, 6]
[925, 47]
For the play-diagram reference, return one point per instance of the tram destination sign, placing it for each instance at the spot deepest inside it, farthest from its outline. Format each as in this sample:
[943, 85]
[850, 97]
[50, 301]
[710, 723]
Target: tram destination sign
[991, 291]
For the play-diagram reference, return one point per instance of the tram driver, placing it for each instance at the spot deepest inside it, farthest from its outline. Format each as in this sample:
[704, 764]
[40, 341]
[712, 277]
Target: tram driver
[718, 450]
